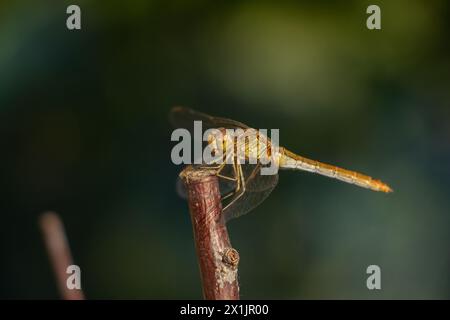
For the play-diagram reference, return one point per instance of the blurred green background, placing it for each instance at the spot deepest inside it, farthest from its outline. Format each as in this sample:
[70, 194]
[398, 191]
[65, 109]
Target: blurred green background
[84, 132]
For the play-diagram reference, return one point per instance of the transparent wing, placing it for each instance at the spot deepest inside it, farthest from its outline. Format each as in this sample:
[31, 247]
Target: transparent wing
[257, 189]
[182, 117]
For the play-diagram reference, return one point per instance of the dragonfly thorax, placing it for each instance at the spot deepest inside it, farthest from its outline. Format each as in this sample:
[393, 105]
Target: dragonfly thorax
[219, 141]
[245, 146]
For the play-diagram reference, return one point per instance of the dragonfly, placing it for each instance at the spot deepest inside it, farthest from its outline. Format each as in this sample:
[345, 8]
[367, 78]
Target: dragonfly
[241, 183]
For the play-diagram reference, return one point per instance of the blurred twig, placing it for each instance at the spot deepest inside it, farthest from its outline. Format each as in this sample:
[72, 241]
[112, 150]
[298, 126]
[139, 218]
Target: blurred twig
[59, 253]
[217, 259]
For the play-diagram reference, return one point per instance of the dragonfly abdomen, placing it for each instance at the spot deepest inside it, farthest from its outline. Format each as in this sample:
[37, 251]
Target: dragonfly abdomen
[289, 160]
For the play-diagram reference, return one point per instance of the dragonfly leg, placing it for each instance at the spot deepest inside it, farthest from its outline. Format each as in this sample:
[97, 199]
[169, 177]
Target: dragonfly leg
[228, 195]
[226, 177]
[239, 192]
[236, 179]
[219, 167]
[241, 175]
[236, 171]
[222, 166]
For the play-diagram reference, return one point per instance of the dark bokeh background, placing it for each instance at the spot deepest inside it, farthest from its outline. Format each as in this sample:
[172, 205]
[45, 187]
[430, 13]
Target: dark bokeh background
[84, 132]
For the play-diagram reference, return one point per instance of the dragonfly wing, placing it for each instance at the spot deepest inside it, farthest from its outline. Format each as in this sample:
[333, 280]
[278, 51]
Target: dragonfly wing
[255, 181]
[182, 117]
[257, 189]
[246, 203]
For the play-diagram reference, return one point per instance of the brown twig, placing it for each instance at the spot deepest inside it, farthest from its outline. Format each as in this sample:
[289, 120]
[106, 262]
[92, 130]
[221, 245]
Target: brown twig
[59, 253]
[217, 259]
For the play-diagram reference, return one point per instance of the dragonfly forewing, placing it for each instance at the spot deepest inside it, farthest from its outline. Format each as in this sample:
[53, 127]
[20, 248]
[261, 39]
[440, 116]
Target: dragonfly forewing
[182, 117]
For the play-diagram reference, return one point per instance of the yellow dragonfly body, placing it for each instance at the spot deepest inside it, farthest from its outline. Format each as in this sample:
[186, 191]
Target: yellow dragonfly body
[240, 164]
